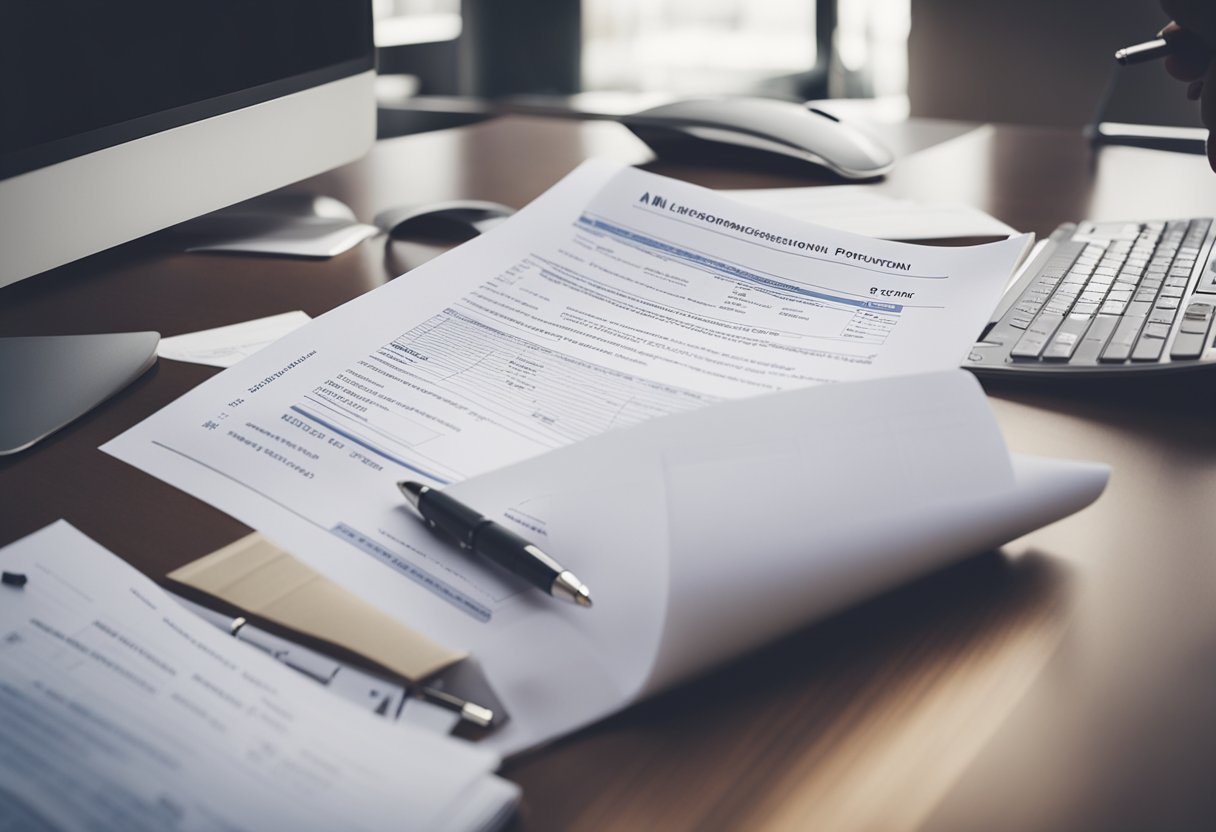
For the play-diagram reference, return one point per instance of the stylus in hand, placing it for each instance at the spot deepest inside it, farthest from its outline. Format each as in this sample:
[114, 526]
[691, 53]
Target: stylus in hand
[482, 535]
[1150, 50]
[1171, 41]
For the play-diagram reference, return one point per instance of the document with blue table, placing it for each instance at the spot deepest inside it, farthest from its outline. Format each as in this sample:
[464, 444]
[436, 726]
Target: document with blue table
[725, 421]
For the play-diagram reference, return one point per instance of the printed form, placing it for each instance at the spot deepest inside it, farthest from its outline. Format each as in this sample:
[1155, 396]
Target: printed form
[121, 710]
[616, 297]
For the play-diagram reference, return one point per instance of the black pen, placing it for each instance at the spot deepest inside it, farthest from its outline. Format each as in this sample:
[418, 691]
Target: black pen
[480, 534]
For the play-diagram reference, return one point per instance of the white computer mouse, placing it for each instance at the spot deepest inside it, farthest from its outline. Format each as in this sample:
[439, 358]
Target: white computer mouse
[783, 127]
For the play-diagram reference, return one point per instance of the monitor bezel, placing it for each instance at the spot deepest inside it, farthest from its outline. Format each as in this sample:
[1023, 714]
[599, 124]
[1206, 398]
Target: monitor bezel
[85, 204]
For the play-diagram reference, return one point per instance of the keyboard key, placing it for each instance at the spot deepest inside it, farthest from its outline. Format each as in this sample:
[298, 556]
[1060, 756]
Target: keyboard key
[1192, 336]
[1067, 336]
[1122, 340]
[1188, 345]
[1036, 336]
[1095, 339]
[1148, 348]
[1161, 315]
[1198, 317]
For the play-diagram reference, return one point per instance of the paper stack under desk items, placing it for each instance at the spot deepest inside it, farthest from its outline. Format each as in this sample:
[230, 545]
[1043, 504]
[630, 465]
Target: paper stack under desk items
[121, 710]
[647, 380]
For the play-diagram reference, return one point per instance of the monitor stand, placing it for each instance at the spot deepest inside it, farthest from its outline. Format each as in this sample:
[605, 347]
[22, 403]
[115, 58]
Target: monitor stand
[50, 381]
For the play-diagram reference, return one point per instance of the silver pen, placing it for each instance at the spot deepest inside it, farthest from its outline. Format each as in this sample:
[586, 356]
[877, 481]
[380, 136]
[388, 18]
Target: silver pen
[1150, 50]
[377, 693]
[477, 533]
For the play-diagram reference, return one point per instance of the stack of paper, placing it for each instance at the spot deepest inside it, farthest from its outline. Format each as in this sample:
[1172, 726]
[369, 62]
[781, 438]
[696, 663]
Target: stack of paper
[120, 710]
[623, 300]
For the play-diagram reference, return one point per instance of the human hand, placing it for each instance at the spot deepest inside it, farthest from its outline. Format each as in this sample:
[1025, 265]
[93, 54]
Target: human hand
[1193, 35]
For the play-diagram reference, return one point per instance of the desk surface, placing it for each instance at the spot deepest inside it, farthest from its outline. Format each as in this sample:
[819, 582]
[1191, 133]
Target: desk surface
[1065, 682]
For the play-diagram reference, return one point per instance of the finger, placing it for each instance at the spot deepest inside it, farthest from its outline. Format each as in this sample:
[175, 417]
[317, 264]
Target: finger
[1199, 16]
[1183, 70]
[1191, 55]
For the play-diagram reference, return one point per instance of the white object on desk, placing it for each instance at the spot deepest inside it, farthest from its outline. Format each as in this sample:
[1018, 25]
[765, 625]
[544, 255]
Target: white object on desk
[287, 236]
[224, 346]
[709, 533]
[121, 710]
[58, 378]
[861, 209]
[598, 306]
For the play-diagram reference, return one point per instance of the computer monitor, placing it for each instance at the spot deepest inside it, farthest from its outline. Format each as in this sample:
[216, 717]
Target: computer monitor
[123, 117]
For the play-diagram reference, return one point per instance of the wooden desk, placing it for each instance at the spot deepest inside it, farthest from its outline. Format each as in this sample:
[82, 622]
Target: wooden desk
[1066, 682]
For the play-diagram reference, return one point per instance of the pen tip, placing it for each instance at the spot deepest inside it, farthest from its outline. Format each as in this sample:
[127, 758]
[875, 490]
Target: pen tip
[569, 588]
[412, 491]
